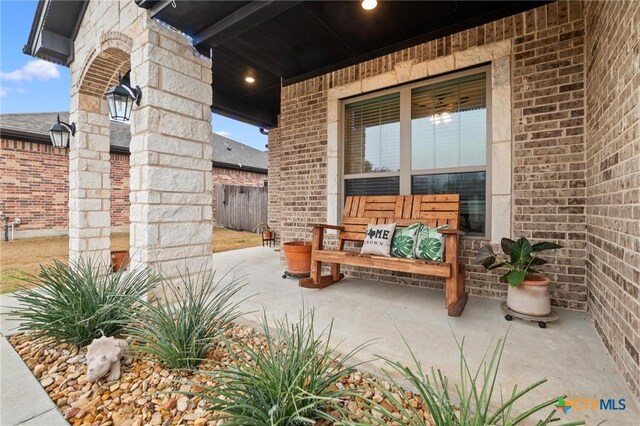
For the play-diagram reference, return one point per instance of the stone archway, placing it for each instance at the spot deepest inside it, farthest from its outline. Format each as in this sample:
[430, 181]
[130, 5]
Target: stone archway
[170, 148]
[89, 156]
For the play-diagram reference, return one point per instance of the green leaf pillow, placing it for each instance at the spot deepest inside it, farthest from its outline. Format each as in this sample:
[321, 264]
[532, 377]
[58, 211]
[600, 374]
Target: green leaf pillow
[430, 244]
[404, 241]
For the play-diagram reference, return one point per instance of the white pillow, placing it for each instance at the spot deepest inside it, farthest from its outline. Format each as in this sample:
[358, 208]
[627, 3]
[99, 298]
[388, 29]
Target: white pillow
[378, 239]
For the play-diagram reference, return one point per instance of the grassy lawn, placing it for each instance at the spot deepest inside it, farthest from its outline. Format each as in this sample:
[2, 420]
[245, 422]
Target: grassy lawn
[21, 257]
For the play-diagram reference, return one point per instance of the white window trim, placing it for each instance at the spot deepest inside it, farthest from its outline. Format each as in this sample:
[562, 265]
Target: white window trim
[499, 200]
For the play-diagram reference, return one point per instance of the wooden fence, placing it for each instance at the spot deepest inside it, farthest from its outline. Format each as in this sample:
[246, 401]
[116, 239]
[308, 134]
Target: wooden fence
[240, 207]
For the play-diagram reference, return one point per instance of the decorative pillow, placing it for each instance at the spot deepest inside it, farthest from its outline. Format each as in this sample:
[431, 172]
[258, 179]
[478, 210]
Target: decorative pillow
[404, 241]
[430, 243]
[377, 241]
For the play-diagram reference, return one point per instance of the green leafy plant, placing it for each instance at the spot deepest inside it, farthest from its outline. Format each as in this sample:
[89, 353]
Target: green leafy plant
[522, 258]
[81, 300]
[179, 329]
[469, 406]
[292, 381]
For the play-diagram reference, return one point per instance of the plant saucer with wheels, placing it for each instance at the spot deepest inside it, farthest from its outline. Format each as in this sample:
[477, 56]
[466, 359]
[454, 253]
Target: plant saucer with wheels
[542, 321]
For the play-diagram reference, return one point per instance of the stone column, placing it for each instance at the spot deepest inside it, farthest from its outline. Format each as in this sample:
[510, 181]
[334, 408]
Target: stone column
[89, 181]
[170, 175]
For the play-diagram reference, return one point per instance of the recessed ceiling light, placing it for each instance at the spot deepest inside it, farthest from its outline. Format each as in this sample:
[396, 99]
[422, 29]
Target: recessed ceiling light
[369, 4]
[250, 79]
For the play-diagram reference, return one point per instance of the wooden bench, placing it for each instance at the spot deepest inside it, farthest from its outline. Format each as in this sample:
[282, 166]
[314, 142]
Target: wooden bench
[404, 210]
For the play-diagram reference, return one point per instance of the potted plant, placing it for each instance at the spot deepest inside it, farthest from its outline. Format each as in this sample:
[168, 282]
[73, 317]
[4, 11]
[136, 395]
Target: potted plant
[267, 232]
[297, 255]
[528, 293]
[119, 259]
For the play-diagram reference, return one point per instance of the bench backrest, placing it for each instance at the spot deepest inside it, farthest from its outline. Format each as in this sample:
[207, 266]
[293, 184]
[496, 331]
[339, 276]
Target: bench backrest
[430, 210]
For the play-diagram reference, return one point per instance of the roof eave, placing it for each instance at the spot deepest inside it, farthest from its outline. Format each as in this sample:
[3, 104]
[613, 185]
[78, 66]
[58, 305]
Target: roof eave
[47, 45]
[24, 136]
[240, 167]
[36, 25]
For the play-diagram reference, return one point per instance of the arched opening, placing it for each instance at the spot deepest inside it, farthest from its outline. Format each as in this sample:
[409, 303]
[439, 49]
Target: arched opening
[100, 154]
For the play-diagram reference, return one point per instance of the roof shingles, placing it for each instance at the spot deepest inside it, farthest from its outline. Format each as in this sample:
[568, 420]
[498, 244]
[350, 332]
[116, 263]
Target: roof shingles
[226, 152]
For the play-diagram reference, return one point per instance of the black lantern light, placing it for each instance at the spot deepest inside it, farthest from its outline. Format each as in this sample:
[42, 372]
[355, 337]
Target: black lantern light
[120, 99]
[60, 133]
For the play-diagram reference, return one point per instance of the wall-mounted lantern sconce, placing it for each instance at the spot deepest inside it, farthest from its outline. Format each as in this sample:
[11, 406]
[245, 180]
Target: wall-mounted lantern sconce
[61, 132]
[121, 98]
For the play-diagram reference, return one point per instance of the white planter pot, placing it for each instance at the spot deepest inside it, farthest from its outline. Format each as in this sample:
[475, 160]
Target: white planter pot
[531, 297]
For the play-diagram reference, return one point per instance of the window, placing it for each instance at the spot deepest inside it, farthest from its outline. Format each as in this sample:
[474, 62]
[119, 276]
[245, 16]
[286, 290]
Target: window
[424, 138]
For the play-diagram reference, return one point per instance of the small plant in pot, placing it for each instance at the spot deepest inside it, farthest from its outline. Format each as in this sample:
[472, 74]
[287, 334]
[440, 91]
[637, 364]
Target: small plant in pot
[528, 293]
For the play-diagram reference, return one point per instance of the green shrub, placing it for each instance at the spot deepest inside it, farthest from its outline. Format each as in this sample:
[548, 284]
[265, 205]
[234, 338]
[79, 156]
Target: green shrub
[179, 330]
[80, 301]
[473, 398]
[292, 381]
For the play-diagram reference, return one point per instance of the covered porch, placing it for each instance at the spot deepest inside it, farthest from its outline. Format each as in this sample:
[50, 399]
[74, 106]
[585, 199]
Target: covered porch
[558, 156]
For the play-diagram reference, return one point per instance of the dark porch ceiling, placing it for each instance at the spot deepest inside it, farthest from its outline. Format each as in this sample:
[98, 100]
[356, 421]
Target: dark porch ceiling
[282, 42]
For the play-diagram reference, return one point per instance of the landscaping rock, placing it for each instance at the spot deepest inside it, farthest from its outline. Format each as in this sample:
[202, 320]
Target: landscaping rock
[38, 370]
[150, 394]
[183, 404]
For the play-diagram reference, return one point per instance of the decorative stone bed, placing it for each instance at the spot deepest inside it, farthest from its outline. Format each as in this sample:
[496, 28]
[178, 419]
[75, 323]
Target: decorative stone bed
[147, 393]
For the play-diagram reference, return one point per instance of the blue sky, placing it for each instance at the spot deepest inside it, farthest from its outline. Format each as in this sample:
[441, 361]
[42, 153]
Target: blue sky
[31, 85]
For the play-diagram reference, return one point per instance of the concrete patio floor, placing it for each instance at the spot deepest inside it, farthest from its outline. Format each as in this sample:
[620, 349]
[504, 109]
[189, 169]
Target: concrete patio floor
[568, 353]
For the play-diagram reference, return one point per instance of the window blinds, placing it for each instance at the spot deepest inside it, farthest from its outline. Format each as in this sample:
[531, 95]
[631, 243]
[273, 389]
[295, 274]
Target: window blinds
[447, 97]
[448, 124]
[372, 135]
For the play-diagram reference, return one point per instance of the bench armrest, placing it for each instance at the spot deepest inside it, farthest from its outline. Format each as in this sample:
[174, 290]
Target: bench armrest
[326, 226]
[450, 231]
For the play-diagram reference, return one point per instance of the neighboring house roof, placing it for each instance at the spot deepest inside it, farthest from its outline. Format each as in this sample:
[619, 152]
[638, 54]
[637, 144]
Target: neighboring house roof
[227, 152]
[34, 127]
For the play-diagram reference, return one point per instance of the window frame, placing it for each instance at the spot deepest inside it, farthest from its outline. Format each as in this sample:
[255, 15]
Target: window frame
[406, 172]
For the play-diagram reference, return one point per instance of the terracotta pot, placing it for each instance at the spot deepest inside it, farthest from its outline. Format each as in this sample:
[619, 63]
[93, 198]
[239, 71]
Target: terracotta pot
[119, 259]
[298, 256]
[531, 297]
[267, 235]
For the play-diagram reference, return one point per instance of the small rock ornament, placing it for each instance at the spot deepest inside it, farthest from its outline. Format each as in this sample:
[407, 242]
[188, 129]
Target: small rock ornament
[104, 355]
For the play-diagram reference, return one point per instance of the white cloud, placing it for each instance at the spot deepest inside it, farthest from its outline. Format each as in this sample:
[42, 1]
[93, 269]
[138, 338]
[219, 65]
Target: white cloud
[223, 133]
[3, 92]
[37, 69]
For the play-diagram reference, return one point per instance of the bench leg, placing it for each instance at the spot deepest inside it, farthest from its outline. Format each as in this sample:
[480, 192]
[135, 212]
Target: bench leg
[456, 296]
[324, 281]
[316, 271]
[335, 267]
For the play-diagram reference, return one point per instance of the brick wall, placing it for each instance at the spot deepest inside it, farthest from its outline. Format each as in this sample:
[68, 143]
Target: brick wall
[119, 190]
[548, 131]
[613, 180]
[274, 181]
[234, 177]
[34, 185]
[548, 152]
